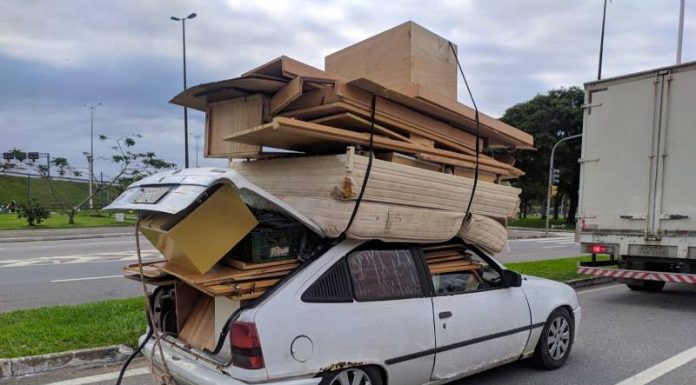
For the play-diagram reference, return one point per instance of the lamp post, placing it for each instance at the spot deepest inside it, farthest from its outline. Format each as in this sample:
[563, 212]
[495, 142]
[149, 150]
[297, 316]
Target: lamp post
[548, 188]
[183, 41]
[90, 158]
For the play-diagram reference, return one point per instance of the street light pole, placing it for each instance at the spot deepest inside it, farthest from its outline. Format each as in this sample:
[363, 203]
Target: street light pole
[548, 188]
[91, 108]
[183, 42]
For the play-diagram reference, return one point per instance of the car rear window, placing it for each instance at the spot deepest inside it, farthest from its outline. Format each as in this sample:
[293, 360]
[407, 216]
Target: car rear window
[384, 274]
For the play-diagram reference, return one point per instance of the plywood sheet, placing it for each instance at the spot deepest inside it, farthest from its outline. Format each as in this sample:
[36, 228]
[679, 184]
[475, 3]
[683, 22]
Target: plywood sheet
[199, 328]
[230, 116]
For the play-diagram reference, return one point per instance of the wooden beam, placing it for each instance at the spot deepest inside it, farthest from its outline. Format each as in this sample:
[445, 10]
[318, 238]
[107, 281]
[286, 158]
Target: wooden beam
[286, 95]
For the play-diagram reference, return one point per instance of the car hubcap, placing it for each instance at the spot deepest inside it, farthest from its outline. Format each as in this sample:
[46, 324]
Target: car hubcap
[352, 377]
[558, 338]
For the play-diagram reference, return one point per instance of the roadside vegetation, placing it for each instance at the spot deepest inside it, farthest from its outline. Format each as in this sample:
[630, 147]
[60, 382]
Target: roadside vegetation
[10, 221]
[63, 328]
[537, 222]
[562, 269]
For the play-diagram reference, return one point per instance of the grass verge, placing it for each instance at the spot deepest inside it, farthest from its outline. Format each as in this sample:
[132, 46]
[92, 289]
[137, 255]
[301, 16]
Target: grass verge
[63, 328]
[562, 269]
[538, 223]
[60, 221]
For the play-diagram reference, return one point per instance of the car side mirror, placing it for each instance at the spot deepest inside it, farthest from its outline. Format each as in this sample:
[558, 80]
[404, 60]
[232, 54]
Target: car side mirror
[511, 278]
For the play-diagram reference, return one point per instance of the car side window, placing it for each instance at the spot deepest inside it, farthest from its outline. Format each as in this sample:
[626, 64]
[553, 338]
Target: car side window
[455, 269]
[384, 274]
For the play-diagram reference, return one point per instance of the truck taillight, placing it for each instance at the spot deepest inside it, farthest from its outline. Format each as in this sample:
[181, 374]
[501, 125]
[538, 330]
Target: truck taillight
[246, 346]
[599, 249]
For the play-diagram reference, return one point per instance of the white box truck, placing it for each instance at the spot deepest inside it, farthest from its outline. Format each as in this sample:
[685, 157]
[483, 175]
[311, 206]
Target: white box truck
[638, 177]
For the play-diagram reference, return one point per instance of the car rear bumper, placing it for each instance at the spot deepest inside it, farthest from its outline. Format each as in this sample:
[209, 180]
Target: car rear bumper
[188, 371]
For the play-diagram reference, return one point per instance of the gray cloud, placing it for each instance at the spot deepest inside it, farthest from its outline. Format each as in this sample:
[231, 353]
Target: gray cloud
[57, 55]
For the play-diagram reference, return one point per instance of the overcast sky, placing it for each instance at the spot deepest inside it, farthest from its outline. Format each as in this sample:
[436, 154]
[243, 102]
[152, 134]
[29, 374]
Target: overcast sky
[57, 55]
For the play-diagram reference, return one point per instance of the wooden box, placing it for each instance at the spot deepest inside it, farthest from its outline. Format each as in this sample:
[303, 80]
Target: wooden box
[229, 116]
[400, 57]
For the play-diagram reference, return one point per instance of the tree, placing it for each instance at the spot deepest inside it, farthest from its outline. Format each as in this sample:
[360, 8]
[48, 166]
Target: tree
[132, 165]
[549, 118]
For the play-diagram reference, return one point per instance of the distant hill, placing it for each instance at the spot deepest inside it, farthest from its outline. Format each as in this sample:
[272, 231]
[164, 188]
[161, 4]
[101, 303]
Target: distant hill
[16, 188]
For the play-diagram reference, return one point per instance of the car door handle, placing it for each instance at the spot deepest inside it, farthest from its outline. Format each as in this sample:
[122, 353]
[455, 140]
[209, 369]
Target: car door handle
[445, 314]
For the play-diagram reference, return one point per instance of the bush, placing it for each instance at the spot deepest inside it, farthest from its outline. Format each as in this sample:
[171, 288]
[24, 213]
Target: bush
[33, 212]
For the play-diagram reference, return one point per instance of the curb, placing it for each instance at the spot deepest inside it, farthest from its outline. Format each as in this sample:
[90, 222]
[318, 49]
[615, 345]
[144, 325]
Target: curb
[63, 237]
[589, 281]
[22, 366]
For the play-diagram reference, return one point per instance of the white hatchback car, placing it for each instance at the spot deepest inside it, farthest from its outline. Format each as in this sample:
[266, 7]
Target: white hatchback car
[374, 313]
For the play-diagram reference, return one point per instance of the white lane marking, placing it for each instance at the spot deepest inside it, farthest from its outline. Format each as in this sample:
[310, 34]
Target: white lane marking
[102, 377]
[78, 258]
[542, 239]
[664, 367]
[588, 291]
[86, 278]
[553, 247]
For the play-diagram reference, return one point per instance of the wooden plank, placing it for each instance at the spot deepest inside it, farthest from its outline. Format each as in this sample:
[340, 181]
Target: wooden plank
[422, 141]
[241, 265]
[199, 327]
[396, 157]
[220, 273]
[286, 95]
[355, 123]
[293, 134]
[230, 116]
[242, 287]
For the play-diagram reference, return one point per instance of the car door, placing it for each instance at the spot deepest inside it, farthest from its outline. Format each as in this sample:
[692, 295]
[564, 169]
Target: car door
[385, 318]
[478, 322]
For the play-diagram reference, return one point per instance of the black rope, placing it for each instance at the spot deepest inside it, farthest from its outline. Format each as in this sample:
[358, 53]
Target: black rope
[478, 128]
[367, 172]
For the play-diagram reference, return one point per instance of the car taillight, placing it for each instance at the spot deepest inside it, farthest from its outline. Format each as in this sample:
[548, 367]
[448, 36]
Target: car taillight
[599, 249]
[246, 347]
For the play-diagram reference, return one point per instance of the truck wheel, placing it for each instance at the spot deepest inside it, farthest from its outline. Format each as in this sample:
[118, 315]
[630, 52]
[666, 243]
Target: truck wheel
[349, 376]
[555, 342]
[647, 286]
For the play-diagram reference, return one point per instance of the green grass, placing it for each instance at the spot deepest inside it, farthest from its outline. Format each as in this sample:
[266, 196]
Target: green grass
[17, 188]
[63, 328]
[562, 269]
[538, 223]
[55, 221]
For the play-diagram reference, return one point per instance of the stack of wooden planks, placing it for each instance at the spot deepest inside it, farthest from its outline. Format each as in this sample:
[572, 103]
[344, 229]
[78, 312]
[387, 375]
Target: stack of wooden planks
[242, 281]
[424, 141]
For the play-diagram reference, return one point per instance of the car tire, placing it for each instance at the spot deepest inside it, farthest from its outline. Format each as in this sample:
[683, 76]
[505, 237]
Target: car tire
[647, 286]
[367, 376]
[556, 340]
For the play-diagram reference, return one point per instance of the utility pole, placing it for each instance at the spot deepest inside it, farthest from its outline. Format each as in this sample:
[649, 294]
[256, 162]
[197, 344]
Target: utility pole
[601, 41]
[548, 188]
[197, 137]
[90, 158]
[183, 42]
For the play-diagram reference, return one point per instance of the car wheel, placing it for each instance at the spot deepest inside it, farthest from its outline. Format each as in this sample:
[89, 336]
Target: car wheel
[556, 340]
[353, 376]
[647, 286]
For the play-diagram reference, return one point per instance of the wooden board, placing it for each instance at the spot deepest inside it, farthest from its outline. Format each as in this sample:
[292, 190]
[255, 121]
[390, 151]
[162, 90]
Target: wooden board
[241, 265]
[220, 273]
[405, 54]
[230, 116]
[355, 123]
[286, 95]
[293, 134]
[199, 328]
[396, 157]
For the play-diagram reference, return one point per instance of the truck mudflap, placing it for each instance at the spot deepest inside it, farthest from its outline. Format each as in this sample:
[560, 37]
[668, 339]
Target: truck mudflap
[637, 274]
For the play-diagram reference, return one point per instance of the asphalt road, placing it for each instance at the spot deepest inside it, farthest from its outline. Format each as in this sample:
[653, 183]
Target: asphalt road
[34, 274]
[623, 333]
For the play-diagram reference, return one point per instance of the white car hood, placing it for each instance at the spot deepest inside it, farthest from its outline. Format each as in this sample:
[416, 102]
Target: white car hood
[186, 186]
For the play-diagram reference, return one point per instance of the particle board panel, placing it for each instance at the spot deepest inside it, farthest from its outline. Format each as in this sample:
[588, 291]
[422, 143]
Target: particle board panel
[405, 54]
[355, 123]
[199, 328]
[230, 116]
[286, 95]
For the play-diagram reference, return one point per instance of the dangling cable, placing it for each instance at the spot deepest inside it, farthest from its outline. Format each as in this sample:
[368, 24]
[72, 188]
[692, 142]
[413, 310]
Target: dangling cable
[478, 128]
[367, 171]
